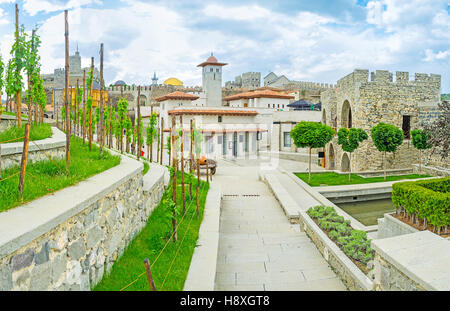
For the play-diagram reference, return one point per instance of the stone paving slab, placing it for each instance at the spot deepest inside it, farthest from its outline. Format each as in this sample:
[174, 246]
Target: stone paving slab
[259, 249]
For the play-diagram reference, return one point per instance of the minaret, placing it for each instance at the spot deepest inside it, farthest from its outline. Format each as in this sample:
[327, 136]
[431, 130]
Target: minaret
[154, 79]
[212, 81]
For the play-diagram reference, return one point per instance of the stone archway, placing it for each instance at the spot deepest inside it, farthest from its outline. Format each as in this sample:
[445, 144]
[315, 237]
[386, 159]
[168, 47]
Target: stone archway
[331, 158]
[346, 115]
[324, 117]
[345, 163]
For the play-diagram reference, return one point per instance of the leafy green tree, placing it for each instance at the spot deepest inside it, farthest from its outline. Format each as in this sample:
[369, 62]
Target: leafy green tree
[122, 106]
[198, 138]
[128, 132]
[32, 67]
[386, 138]
[310, 135]
[18, 62]
[9, 85]
[349, 140]
[151, 134]
[2, 83]
[420, 141]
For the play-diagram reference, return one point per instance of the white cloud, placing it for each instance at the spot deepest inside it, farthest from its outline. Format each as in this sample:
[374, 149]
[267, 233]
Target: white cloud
[33, 7]
[430, 56]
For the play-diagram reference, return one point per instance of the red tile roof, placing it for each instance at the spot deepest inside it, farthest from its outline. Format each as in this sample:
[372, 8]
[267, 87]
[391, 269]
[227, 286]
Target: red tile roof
[259, 94]
[177, 95]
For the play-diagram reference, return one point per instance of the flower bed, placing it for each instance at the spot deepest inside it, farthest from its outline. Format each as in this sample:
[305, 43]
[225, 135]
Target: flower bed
[353, 243]
[424, 203]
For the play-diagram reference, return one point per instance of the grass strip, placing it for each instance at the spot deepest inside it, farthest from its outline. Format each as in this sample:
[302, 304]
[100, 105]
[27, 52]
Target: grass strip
[38, 131]
[45, 177]
[152, 239]
[335, 179]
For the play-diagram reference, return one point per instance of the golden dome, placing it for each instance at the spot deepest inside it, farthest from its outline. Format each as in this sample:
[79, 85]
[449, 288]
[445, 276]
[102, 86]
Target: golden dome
[173, 81]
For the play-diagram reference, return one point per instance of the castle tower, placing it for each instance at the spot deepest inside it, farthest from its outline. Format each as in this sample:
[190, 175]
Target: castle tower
[212, 81]
[75, 62]
[154, 79]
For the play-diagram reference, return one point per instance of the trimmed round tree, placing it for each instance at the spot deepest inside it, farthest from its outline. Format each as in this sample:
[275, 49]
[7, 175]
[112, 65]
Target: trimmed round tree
[386, 138]
[420, 140]
[311, 135]
[349, 140]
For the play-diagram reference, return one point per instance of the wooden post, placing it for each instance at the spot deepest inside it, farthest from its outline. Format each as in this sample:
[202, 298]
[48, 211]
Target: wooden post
[101, 127]
[23, 163]
[77, 108]
[198, 183]
[174, 180]
[30, 86]
[0, 161]
[139, 123]
[161, 139]
[207, 171]
[66, 91]
[191, 162]
[149, 275]
[182, 166]
[151, 140]
[19, 92]
[92, 104]
[83, 117]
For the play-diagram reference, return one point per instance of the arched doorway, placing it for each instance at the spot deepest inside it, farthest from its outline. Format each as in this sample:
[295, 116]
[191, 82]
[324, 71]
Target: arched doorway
[345, 163]
[143, 100]
[346, 115]
[331, 158]
[324, 117]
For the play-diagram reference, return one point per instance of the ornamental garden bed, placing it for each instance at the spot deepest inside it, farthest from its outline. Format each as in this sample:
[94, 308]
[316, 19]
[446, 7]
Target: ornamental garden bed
[353, 243]
[424, 205]
[45, 177]
[335, 179]
[169, 261]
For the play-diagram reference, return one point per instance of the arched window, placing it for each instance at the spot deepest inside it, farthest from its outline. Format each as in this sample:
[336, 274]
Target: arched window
[346, 115]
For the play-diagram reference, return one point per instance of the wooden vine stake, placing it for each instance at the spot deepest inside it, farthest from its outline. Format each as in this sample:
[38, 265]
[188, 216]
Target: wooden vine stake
[23, 163]
[139, 123]
[198, 183]
[182, 166]
[174, 180]
[161, 140]
[66, 91]
[150, 154]
[19, 92]
[149, 275]
[83, 117]
[90, 109]
[102, 130]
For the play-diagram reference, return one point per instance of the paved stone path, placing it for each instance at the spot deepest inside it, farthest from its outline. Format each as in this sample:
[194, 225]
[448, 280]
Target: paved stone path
[258, 248]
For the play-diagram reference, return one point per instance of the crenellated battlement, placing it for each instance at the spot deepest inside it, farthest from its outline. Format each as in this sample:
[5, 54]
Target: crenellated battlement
[384, 76]
[147, 88]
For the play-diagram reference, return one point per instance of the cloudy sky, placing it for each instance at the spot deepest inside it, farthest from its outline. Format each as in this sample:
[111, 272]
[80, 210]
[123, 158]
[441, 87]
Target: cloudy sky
[318, 41]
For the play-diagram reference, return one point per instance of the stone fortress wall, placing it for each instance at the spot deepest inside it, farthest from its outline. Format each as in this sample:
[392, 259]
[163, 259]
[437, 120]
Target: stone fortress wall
[365, 103]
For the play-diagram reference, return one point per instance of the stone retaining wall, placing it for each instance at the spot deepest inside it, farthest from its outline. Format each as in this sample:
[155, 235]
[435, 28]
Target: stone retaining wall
[39, 150]
[69, 240]
[390, 226]
[431, 170]
[7, 121]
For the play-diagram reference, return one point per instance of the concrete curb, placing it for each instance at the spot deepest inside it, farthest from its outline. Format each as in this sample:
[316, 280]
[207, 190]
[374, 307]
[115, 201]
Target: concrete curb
[21, 225]
[290, 207]
[202, 271]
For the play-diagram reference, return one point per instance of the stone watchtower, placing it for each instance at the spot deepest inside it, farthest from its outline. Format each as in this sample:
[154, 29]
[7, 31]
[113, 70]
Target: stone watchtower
[212, 81]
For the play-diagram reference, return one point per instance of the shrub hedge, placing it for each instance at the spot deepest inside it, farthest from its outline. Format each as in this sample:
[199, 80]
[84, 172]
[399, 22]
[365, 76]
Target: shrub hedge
[354, 243]
[426, 199]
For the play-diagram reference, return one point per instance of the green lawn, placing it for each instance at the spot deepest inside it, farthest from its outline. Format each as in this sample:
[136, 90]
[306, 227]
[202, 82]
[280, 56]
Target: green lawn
[149, 243]
[45, 177]
[37, 132]
[335, 179]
